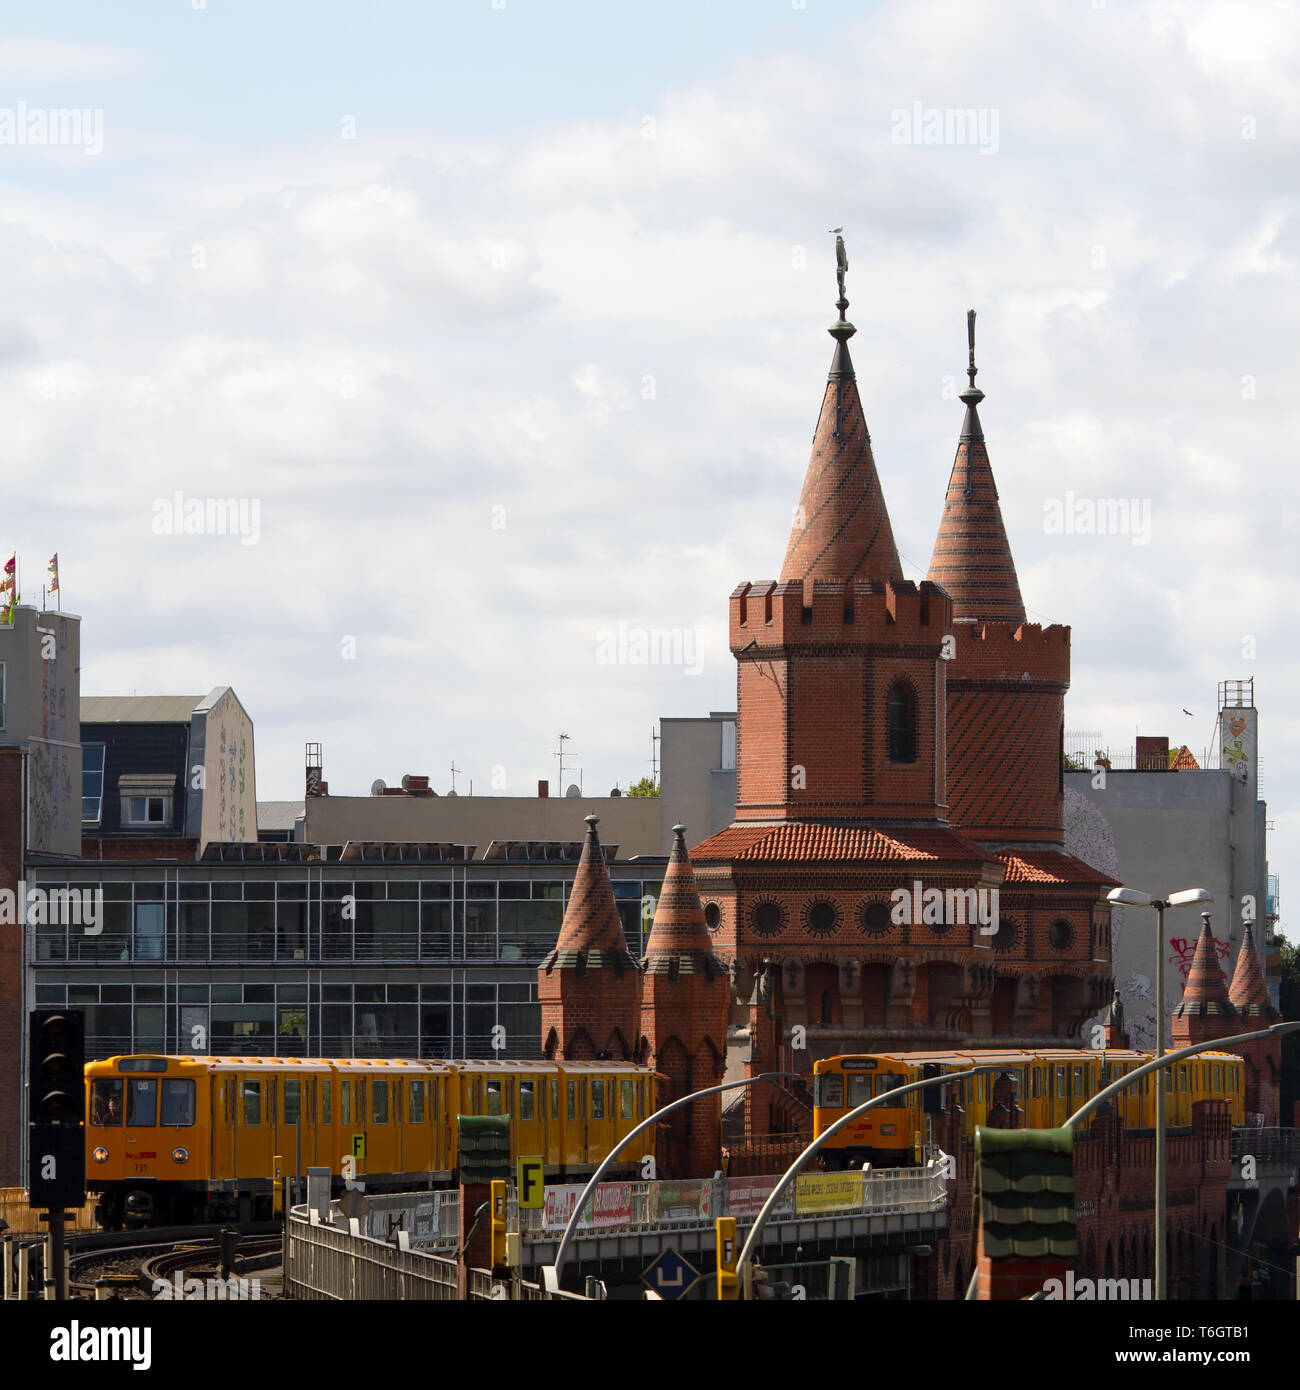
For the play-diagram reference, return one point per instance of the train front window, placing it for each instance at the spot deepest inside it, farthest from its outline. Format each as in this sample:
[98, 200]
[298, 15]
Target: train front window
[106, 1103]
[891, 1081]
[177, 1102]
[830, 1091]
[142, 1102]
[859, 1090]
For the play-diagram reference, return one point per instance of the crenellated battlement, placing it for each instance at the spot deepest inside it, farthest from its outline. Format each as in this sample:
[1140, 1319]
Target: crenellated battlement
[1010, 651]
[790, 613]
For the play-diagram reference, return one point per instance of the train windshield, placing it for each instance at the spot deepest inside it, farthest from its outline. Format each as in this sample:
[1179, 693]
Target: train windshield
[142, 1102]
[106, 1102]
[889, 1081]
[830, 1090]
[177, 1102]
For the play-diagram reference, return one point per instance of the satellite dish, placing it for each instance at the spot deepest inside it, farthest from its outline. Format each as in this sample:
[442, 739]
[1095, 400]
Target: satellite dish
[614, 791]
[378, 787]
[453, 792]
[573, 790]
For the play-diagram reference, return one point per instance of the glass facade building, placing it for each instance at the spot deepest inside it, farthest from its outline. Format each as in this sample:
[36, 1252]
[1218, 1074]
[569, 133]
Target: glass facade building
[310, 958]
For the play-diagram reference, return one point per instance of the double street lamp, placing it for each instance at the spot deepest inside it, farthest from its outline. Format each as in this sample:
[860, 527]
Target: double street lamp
[1131, 897]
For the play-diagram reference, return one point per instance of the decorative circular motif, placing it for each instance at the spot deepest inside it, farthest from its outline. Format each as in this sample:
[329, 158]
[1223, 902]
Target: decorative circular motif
[875, 918]
[821, 918]
[1061, 934]
[1007, 934]
[712, 916]
[768, 918]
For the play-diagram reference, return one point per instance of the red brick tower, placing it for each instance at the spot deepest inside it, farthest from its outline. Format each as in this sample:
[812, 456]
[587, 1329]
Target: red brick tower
[1249, 996]
[13, 1022]
[685, 1006]
[1206, 1011]
[589, 986]
[841, 798]
[1006, 717]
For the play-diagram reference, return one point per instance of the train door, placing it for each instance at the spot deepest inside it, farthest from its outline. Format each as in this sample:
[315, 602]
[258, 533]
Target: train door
[529, 1119]
[223, 1125]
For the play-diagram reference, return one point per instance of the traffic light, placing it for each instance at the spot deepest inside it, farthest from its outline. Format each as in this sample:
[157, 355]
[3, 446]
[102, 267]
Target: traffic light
[57, 1061]
[56, 1100]
[932, 1096]
[728, 1283]
[498, 1215]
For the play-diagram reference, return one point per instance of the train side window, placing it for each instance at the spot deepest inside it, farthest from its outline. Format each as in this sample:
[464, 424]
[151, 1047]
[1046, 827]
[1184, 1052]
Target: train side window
[1182, 1077]
[292, 1099]
[379, 1100]
[493, 1097]
[1078, 1082]
[142, 1102]
[397, 1102]
[106, 1102]
[627, 1098]
[1037, 1080]
[510, 1095]
[252, 1093]
[345, 1102]
[555, 1098]
[526, 1100]
[417, 1102]
[326, 1097]
[597, 1100]
[228, 1090]
[571, 1089]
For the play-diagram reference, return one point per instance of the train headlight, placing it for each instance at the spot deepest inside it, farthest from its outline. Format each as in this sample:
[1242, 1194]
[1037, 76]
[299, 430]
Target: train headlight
[180, 1155]
[99, 1155]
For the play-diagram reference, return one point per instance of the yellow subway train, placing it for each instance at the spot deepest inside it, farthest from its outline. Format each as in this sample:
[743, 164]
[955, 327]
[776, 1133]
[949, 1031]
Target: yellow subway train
[1029, 1090]
[170, 1140]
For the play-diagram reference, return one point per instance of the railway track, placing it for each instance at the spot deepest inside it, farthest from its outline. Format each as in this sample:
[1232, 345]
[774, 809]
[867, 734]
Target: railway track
[146, 1264]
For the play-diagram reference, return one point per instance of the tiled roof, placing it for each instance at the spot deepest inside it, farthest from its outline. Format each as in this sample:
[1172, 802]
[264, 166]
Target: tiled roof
[1024, 1192]
[802, 840]
[1249, 990]
[1205, 993]
[972, 557]
[842, 529]
[679, 932]
[591, 935]
[1051, 866]
[988, 732]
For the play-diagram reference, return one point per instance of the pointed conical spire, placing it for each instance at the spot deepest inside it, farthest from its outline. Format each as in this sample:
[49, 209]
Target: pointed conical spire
[972, 559]
[1205, 994]
[841, 529]
[679, 931]
[592, 930]
[1249, 990]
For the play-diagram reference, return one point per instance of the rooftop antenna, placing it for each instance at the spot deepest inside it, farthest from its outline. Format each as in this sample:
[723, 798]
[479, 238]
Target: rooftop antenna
[454, 771]
[559, 753]
[654, 757]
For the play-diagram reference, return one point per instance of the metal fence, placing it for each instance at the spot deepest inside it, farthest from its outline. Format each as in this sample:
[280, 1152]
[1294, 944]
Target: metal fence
[1266, 1145]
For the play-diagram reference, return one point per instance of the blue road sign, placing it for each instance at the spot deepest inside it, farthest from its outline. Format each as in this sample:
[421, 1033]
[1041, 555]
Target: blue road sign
[670, 1275]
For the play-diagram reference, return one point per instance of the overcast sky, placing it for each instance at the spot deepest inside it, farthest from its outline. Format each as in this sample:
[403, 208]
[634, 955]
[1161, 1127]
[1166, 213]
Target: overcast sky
[510, 319]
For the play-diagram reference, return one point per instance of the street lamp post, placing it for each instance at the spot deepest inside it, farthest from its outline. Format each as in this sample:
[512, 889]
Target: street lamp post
[551, 1273]
[1131, 897]
[743, 1263]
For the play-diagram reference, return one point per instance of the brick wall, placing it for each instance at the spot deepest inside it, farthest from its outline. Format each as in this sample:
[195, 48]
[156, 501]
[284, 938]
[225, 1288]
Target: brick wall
[12, 1020]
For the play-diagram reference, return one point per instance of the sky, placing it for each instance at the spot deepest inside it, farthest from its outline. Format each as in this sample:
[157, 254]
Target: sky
[501, 326]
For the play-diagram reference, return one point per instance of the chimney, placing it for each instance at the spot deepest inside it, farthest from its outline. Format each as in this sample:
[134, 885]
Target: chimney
[543, 788]
[1152, 754]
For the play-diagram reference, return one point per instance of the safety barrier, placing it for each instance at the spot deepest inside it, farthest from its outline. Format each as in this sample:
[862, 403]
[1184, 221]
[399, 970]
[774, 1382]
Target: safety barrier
[20, 1216]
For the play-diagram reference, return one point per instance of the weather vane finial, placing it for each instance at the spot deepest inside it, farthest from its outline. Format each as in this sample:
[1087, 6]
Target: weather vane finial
[841, 267]
[970, 338]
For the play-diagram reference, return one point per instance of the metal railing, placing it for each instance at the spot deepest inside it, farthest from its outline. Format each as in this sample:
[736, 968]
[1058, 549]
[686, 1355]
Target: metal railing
[1266, 1145]
[332, 1263]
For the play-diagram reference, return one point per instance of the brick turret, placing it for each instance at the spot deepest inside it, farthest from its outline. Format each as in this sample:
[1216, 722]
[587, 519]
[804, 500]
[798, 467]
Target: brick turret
[1007, 679]
[1206, 1012]
[589, 986]
[1249, 996]
[685, 1005]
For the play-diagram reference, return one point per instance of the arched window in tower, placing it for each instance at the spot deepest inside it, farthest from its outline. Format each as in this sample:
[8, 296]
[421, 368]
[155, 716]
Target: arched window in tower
[900, 722]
